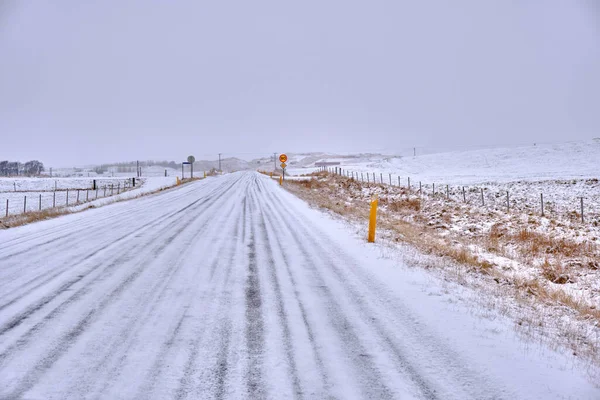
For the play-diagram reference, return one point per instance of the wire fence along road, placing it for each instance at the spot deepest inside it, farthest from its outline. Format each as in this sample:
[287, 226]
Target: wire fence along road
[13, 203]
[232, 288]
[576, 200]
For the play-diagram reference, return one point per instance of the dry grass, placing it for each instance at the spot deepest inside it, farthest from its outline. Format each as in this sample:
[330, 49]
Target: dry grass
[413, 204]
[535, 244]
[24, 219]
[424, 225]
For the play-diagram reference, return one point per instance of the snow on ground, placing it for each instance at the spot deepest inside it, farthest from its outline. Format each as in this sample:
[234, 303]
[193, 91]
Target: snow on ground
[569, 160]
[46, 184]
[38, 190]
[519, 253]
[231, 287]
[561, 173]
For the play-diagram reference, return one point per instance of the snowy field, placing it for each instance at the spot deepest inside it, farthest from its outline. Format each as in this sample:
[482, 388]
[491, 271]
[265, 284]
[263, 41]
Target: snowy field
[565, 161]
[561, 173]
[33, 192]
[234, 288]
[51, 184]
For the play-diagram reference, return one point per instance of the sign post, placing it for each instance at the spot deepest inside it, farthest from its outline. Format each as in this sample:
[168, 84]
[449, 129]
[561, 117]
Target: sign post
[191, 160]
[182, 164]
[283, 158]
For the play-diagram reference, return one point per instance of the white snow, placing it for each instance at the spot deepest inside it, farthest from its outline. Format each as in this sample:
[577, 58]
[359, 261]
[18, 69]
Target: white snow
[232, 287]
[80, 193]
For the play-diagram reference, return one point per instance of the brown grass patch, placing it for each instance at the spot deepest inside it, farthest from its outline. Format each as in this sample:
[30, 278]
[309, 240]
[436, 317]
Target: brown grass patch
[33, 216]
[405, 204]
[535, 243]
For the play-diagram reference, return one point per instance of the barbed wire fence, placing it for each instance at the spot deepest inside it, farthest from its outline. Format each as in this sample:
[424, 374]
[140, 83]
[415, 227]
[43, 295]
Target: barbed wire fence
[578, 200]
[26, 201]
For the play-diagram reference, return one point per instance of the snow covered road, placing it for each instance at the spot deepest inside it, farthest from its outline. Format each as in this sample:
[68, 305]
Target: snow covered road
[232, 288]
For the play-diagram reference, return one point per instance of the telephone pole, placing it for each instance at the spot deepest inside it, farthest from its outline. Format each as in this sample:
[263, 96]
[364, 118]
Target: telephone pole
[220, 170]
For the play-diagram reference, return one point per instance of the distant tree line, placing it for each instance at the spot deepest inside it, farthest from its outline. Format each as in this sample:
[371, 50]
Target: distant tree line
[130, 167]
[15, 168]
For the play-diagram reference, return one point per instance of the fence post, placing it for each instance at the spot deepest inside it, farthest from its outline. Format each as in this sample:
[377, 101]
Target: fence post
[7, 207]
[54, 200]
[390, 179]
[409, 183]
[112, 187]
[542, 202]
[87, 195]
[507, 201]
[119, 188]
[96, 193]
[447, 193]
[362, 178]
[398, 181]
[374, 181]
[104, 191]
[464, 195]
[420, 188]
[581, 198]
[434, 188]
[373, 219]
[77, 196]
[67, 196]
[40, 207]
[482, 201]
[25, 205]
[381, 178]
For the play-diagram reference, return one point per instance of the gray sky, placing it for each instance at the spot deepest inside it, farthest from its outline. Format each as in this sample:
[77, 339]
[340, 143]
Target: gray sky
[94, 81]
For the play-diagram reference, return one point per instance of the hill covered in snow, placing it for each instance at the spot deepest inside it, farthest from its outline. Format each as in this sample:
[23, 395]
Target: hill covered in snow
[569, 160]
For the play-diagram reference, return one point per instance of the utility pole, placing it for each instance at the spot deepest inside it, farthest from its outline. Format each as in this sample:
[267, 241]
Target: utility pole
[220, 170]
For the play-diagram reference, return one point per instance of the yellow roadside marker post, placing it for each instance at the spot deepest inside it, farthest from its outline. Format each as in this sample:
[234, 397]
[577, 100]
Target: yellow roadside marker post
[280, 180]
[373, 219]
[178, 181]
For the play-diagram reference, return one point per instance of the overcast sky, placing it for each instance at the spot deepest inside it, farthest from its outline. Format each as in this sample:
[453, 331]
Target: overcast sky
[99, 81]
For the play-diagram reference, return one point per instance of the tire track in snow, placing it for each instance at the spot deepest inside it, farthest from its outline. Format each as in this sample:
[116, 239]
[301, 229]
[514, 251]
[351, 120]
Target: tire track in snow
[254, 318]
[367, 373]
[113, 224]
[473, 381]
[147, 226]
[318, 255]
[190, 384]
[128, 332]
[222, 366]
[280, 306]
[150, 201]
[48, 361]
[325, 380]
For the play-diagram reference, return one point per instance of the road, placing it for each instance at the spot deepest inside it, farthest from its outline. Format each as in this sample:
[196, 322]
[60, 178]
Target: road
[231, 287]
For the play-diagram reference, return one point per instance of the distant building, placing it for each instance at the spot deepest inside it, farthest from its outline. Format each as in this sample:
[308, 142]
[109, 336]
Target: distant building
[326, 163]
